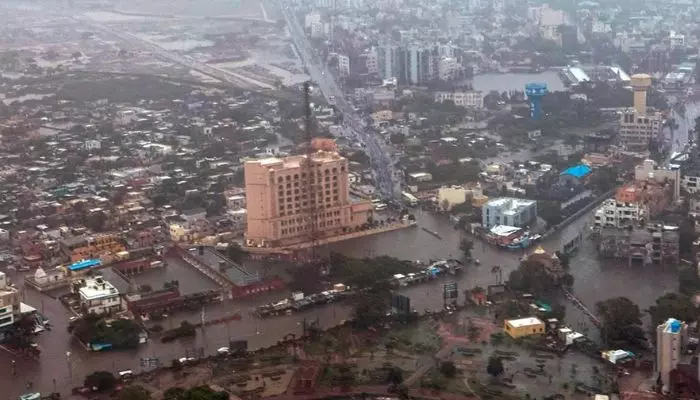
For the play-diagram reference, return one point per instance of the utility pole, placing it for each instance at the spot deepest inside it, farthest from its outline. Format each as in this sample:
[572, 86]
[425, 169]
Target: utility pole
[309, 172]
[70, 367]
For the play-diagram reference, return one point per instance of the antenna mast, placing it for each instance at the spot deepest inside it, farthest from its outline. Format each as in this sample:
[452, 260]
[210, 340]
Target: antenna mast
[309, 171]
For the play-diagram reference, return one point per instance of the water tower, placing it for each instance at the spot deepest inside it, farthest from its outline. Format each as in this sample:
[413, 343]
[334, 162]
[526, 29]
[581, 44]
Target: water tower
[640, 84]
[534, 93]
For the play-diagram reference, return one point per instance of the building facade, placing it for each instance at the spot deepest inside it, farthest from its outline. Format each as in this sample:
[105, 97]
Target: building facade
[97, 296]
[649, 171]
[508, 211]
[671, 338]
[291, 200]
[638, 128]
[87, 247]
[9, 303]
[466, 99]
[517, 328]
[634, 203]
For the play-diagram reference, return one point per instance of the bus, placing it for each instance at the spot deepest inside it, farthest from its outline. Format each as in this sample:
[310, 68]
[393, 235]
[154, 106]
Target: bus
[409, 199]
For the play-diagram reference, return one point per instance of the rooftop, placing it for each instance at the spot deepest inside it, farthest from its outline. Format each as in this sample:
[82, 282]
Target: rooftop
[529, 321]
[577, 171]
[672, 325]
[97, 288]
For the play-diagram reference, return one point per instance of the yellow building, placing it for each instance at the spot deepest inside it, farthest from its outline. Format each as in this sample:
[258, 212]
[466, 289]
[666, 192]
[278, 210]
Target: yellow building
[522, 327]
[87, 247]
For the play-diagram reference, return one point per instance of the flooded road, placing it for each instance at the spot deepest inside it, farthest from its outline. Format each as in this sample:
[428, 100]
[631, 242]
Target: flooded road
[595, 280]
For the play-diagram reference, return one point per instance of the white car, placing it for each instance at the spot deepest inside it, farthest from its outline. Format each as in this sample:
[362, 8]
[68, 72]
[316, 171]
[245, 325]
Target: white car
[223, 350]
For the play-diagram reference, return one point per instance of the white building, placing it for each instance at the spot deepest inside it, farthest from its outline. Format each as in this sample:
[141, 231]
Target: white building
[508, 211]
[9, 302]
[448, 68]
[466, 99]
[615, 214]
[671, 338]
[343, 63]
[675, 40]
[311, 19]
[92, 144]
[98, 296]
[372, 61]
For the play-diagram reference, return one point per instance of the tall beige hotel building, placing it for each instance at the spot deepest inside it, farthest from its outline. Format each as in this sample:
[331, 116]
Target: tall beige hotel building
[284, 196]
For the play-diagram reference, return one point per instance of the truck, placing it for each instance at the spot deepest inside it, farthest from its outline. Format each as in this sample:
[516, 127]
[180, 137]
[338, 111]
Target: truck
[409, 199]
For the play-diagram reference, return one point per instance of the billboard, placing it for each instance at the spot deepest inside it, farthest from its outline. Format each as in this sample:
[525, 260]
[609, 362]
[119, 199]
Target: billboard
[400, 305]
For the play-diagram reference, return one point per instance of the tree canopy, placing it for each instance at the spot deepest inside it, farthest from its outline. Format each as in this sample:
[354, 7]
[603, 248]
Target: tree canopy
[195, 393]
[533, 277]
[100, 381]
[621, 322]
[134, 393]
[495, 366]
[672, 305]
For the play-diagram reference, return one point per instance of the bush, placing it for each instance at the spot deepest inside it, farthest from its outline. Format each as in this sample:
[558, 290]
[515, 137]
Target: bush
[448, 369]
[100, 381]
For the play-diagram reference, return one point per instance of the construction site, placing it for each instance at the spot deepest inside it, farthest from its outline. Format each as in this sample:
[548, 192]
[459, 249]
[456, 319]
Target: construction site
[653, 244]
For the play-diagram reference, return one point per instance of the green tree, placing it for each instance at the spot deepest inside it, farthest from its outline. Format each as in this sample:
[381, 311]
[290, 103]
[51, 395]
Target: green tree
[134, 393]
[448, 369]
[672, 305]
[466, 246]
[100, 381]
[621, 322]
[175, 393]
[495, 366]
[395, 376]
[370, 309]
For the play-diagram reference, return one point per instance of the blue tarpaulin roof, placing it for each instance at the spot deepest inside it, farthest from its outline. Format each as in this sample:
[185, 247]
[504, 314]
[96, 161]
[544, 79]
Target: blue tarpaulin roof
[673, 325]
[577, 171]
[84, 264]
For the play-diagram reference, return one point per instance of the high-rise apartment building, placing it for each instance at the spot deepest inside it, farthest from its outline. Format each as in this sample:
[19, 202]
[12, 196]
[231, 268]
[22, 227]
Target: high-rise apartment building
[671, 337]
[285, 196]
[638, 127]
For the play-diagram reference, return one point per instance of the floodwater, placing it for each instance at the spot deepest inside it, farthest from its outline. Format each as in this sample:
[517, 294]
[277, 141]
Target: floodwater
[517, 81]
[595, 280]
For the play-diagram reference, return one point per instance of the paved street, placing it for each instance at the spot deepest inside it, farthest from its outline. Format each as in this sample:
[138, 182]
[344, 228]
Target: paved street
[377, 149]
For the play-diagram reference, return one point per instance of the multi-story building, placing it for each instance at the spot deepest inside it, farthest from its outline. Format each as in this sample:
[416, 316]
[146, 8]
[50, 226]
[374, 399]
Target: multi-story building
[671, 339]
[637, 127]
[650, 171]
[97, 296]
[87, 247]
[292, 199]
[653, 244]
[466, 99]
[343, 63]
[9, 303]
[389, 61]
[508, 211]
[448, 68]
[450, 196]
[633, 204]
[372, 61]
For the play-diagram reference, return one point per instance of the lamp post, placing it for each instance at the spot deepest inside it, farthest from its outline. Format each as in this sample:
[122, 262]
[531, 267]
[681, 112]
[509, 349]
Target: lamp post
[70, 367]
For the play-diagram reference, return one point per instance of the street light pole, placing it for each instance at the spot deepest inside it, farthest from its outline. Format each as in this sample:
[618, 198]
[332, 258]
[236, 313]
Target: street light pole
[70, 367]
